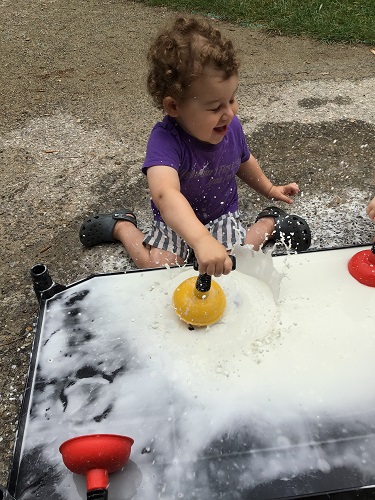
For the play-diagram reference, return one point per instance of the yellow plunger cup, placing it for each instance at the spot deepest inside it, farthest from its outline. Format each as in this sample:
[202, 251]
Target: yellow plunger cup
[200, 301]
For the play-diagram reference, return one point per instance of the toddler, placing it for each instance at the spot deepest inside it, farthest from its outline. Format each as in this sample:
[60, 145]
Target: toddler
[193, 157]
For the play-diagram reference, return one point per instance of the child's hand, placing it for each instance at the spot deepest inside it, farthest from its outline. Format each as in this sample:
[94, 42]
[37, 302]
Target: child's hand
[370, 210]
[283, 193]
[212, 257]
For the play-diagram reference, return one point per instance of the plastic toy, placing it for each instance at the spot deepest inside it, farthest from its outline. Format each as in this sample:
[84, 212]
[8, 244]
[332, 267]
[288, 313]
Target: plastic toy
[362, 266]
[200, 301]
[95, 456]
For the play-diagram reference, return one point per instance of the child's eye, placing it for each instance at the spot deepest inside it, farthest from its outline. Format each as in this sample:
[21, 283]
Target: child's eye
[215, 110]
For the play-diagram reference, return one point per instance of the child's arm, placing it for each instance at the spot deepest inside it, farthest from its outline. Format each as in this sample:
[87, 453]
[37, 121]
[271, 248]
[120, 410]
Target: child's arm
[251, 173]
[370, 210]
[177, 213]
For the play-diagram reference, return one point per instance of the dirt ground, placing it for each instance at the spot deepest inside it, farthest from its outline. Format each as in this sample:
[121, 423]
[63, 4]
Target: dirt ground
[74, 122]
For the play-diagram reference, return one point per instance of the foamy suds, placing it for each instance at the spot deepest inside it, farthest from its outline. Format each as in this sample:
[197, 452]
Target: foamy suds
[267, 366]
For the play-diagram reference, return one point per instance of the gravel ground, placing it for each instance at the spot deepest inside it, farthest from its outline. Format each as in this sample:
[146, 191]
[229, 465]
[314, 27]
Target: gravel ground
[74, 123]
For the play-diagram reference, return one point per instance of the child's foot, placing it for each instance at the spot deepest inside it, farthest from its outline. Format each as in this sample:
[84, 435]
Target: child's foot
[291, 230]
[99, 228]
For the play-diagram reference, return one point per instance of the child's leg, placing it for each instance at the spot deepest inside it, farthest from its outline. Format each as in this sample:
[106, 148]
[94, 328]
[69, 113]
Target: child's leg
[260, 232]
[121, 225]
[143, 256]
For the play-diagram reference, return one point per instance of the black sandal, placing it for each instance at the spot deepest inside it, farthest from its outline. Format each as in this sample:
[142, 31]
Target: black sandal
[291, 230]
[99, 228]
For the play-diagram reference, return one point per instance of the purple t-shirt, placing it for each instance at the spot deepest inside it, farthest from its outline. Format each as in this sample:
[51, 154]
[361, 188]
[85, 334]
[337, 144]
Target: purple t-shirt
[207, 172]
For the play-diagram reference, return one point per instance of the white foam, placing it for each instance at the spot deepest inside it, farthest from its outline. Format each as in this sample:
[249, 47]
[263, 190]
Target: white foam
[265, 366]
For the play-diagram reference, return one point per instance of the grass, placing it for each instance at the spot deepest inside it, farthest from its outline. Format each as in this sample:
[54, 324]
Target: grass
[346, 21]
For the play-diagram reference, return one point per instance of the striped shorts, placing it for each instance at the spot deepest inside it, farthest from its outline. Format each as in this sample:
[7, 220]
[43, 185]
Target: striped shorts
[227, 229]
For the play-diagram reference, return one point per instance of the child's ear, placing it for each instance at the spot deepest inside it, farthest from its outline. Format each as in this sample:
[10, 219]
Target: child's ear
[170, 106]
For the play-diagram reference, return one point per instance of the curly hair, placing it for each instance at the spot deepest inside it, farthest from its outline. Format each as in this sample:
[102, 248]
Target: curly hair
[179, 55]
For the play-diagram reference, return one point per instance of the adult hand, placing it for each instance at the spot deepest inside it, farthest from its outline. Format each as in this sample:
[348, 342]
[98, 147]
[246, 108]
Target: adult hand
[283, 193]
[370, 210]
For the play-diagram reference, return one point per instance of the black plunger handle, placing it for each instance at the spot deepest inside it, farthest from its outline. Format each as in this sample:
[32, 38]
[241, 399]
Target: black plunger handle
[203, 283]
[98, 494]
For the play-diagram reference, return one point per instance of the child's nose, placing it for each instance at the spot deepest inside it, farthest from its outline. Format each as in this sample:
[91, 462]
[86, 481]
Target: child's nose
[228, 113]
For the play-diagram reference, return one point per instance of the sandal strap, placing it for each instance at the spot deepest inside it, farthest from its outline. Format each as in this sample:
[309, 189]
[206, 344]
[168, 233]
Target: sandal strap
[275, 212]
[126, 215]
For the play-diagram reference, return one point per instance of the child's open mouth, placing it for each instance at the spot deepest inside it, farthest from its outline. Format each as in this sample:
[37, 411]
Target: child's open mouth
[221, 130]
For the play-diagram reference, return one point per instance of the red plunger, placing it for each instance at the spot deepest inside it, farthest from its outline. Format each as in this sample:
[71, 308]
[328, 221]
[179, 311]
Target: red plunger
[362, 266]
[95, 456]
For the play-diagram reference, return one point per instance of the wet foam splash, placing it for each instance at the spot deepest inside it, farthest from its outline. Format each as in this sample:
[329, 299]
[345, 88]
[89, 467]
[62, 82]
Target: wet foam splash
[289, 381]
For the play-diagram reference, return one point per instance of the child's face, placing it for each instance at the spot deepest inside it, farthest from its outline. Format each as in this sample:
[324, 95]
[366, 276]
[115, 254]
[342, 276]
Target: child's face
[209, 106]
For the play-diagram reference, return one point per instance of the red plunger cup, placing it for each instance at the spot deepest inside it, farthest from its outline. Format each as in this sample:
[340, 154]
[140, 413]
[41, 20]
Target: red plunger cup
[95, 456]
[362, 266]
